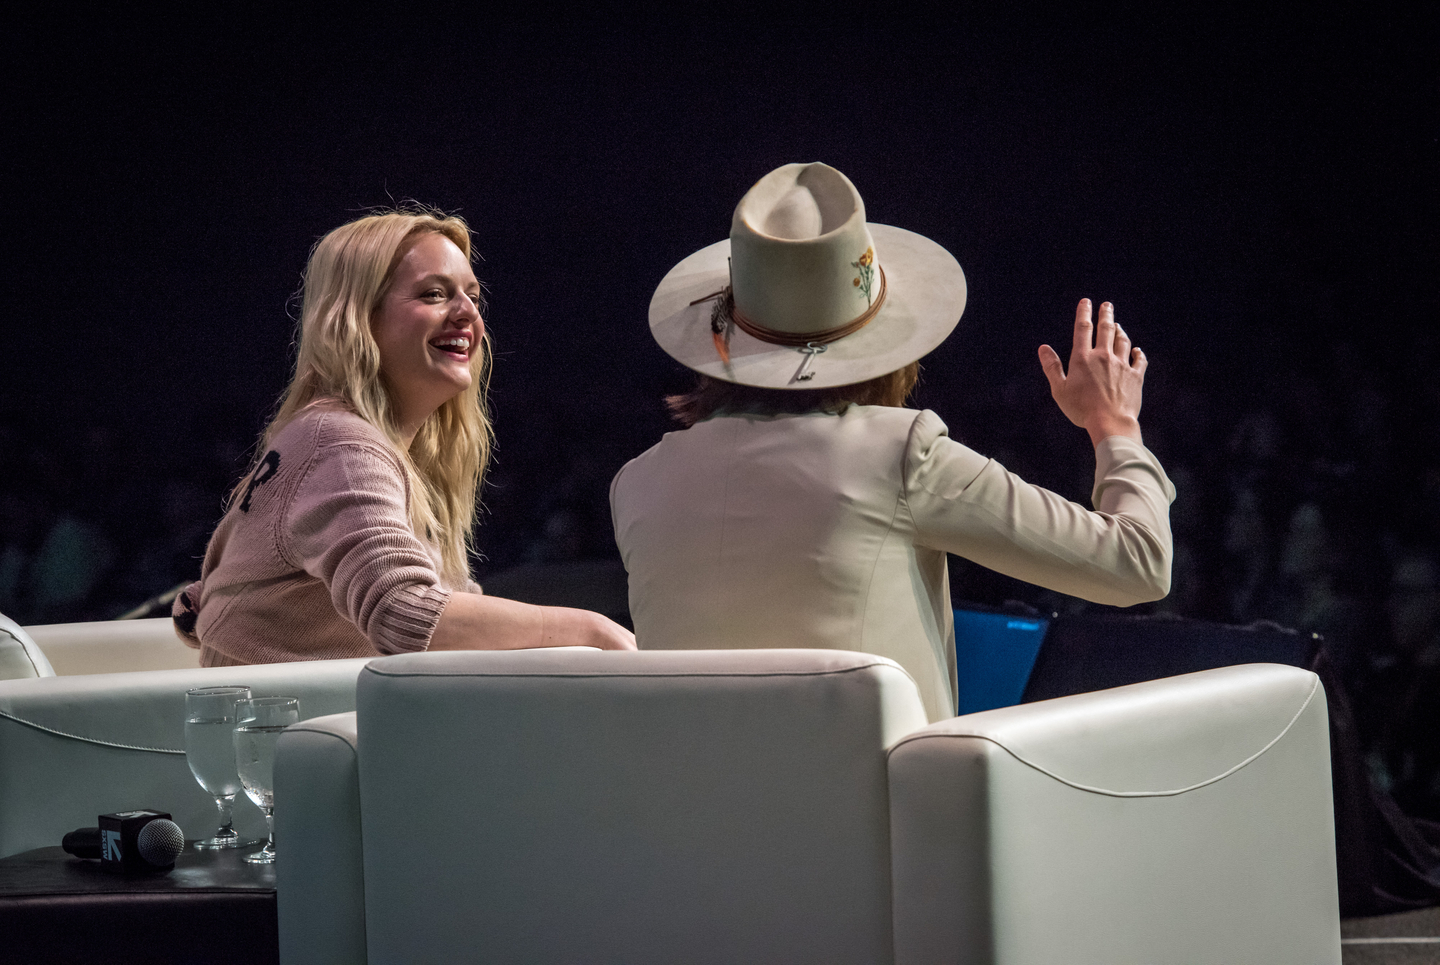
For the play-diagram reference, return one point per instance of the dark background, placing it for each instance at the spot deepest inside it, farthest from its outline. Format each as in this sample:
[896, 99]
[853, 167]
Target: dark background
[1257, 195]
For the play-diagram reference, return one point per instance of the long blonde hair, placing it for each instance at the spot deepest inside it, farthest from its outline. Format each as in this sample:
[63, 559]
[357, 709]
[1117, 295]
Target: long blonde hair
[348, 275]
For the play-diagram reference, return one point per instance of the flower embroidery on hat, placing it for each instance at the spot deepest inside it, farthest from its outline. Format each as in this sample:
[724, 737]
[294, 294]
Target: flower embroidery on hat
[866, 268]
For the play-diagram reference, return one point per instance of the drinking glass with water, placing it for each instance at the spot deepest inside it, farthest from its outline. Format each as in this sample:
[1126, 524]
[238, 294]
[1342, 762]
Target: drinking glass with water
[262, 719]
[210, 750]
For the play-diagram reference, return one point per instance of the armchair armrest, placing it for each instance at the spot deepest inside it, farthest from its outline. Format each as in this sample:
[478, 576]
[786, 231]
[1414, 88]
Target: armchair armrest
[320, 881]
[20, 656]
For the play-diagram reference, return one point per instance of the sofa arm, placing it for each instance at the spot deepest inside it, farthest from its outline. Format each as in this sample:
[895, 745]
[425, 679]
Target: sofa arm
[1185, 819]
[20, 656]
[320, 879]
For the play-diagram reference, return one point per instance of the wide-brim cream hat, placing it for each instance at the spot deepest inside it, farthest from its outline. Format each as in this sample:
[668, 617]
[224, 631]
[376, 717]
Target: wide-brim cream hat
[805, 294]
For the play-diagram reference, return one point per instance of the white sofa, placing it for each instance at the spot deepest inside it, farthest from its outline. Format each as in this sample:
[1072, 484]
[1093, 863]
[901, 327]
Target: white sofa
[792, 806]
[75, 747]
[92, 721]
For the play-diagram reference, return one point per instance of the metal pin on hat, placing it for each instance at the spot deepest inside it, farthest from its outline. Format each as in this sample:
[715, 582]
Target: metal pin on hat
[811, 350]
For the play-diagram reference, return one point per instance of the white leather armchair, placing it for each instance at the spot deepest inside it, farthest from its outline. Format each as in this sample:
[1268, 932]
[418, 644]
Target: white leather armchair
[74, 747]
[1187, 819]
[724, 806]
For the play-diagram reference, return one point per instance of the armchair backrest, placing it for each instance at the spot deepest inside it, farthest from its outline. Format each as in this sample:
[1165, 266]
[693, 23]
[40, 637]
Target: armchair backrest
[695, 806]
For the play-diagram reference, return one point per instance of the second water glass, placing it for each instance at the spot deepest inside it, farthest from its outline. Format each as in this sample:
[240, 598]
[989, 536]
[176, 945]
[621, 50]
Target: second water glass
[262, 719]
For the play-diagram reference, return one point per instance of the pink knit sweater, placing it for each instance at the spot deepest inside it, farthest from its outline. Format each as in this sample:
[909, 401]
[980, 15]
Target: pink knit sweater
[316, 559]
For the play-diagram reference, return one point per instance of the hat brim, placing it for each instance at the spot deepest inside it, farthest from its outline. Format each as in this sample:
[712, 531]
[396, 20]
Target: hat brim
[925, 296]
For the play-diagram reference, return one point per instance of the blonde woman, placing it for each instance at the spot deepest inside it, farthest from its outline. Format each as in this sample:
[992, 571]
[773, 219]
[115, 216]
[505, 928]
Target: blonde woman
[349, 537]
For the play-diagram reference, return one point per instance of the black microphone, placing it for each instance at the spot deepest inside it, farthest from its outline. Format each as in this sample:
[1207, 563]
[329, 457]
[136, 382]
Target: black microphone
[82, 843]
[129, 841]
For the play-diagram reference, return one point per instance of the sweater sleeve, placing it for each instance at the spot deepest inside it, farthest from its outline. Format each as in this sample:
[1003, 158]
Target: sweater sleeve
[184, 611]
[966, 504]
[348, 526]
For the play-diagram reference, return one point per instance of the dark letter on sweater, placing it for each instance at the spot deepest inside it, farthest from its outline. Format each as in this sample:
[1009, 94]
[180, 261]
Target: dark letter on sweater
[263, 473]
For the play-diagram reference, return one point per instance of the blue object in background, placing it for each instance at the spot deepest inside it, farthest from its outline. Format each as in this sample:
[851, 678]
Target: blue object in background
[994, 654]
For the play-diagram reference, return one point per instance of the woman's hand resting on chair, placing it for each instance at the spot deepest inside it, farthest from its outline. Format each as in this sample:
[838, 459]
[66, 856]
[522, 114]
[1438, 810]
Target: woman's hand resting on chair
[471, 621]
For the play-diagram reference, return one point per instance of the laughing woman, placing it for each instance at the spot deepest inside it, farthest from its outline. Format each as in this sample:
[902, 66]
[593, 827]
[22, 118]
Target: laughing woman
[350, 535]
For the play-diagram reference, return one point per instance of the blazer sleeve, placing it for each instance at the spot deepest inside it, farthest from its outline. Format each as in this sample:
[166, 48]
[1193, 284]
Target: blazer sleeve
[348, 525]
[966, 504]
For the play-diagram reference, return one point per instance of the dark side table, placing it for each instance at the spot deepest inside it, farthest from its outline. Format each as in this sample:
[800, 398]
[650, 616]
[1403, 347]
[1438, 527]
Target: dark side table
[212, 908]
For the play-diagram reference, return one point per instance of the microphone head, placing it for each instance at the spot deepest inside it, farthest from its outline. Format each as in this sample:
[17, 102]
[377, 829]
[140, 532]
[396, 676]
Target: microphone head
[160, 841]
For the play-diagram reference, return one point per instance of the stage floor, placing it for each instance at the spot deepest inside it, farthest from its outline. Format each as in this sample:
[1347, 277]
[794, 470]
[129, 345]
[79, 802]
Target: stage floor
[1407, 938]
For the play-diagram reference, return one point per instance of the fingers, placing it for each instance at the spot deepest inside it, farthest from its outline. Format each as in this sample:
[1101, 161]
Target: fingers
[1108, 335]
[1105, 331]
[1083, 329]
[1122, 343]
[1139, 361]
[1054, 371]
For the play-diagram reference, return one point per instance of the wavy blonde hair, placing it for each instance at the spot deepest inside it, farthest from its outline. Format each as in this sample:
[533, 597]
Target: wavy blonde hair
[347, 277]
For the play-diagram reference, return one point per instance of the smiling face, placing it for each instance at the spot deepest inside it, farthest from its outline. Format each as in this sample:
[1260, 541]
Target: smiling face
[427, 327]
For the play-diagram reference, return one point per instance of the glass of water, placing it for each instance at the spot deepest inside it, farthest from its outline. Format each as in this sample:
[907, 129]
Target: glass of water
[256, 733]
[210, 750]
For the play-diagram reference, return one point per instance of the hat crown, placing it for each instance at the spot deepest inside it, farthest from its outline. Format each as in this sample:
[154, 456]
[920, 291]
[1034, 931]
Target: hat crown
[796, 216]
[802, 257]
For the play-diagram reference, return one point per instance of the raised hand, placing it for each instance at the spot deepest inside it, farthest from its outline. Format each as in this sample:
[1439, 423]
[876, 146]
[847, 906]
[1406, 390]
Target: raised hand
[1101, 390]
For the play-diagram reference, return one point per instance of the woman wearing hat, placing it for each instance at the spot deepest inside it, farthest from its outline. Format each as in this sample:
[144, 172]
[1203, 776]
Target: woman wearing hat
[350, 535]
[803, 505]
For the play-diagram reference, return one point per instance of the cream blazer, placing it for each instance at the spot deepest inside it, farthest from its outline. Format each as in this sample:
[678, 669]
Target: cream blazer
[831, 531]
